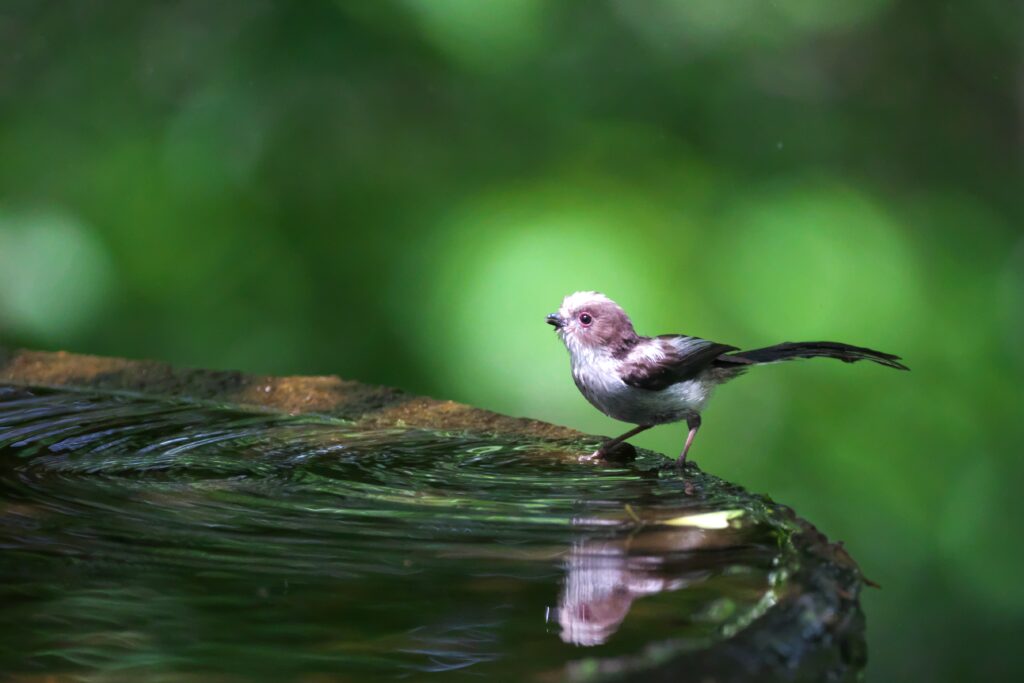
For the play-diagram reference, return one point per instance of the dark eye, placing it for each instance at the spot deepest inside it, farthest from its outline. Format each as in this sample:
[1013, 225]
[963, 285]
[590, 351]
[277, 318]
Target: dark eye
[585, 318]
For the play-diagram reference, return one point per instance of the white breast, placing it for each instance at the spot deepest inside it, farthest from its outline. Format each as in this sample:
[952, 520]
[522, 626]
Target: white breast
[597, 376]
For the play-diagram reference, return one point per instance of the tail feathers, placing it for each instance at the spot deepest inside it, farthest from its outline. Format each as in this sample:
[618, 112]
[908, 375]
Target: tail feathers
[792, 350]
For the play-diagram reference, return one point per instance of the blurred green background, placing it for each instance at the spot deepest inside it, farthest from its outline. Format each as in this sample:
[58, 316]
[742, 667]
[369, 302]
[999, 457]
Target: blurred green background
[398, 192]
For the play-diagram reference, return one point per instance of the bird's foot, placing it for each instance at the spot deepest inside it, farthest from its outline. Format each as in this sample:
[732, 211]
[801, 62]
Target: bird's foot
[619, 452]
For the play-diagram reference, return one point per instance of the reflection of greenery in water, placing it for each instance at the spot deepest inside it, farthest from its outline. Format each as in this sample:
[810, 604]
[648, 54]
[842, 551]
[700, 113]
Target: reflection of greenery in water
[399, 191]
[145, 538]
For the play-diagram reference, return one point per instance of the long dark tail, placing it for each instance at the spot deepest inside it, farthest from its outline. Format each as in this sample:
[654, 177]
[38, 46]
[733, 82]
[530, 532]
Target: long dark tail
[820, 349]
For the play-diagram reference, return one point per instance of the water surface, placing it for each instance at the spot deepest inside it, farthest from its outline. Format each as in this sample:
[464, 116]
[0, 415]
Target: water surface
[154, 540]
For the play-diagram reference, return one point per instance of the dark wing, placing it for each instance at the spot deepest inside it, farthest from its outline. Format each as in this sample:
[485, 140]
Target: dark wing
[684, 358]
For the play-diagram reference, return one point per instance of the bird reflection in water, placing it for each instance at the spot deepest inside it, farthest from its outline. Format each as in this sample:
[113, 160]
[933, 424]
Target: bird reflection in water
[604, 577]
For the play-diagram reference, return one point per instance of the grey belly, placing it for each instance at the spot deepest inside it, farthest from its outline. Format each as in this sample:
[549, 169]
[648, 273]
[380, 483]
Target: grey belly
[640, 406]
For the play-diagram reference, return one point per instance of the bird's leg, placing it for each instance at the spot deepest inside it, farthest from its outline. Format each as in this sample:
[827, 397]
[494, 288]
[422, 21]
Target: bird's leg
[612, 443]
[693, 423]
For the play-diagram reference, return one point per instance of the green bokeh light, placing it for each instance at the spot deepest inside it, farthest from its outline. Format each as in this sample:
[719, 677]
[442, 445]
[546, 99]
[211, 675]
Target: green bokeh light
[54, 275]
[398, 192]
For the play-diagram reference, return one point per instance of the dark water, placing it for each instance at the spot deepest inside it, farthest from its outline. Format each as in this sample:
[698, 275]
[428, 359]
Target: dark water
[144, 540]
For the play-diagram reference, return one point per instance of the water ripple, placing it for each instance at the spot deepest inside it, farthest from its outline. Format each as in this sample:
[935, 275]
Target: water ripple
[177, 538]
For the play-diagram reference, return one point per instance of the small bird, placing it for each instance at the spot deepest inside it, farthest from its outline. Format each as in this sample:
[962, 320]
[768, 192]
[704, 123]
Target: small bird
[649, 381]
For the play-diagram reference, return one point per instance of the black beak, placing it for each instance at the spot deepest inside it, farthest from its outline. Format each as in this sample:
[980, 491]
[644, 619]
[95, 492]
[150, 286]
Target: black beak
[556, 320]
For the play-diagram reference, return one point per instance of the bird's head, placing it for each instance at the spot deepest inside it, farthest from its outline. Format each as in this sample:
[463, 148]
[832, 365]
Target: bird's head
[591, 322]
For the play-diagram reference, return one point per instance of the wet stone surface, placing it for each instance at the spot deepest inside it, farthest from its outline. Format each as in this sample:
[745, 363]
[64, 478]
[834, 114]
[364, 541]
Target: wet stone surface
[154, 538]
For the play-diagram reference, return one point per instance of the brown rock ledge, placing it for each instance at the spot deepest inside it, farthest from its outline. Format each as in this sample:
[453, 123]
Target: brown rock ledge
[364, 404]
